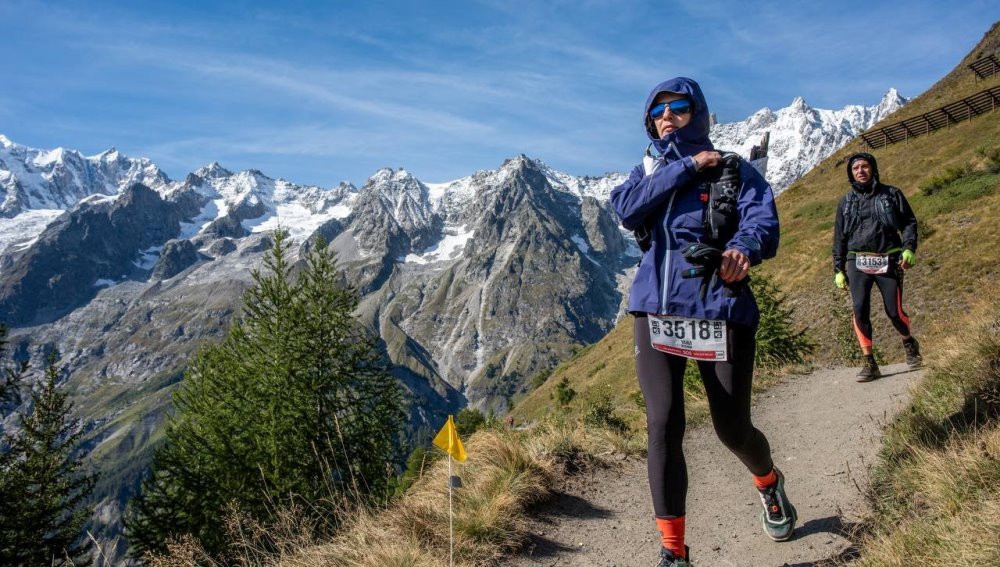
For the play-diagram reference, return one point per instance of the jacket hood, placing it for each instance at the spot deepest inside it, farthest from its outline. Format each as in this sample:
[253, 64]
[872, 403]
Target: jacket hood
[690, 139]
[867, 157]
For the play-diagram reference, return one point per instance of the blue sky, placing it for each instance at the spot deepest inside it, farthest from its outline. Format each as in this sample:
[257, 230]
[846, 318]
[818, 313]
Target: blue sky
[320, 92]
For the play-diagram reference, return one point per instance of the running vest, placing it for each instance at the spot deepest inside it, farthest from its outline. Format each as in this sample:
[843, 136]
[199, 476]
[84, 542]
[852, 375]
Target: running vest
[720, 188]
[885, 211]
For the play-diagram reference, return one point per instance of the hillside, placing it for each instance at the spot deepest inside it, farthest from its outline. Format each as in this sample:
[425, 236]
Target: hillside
[957, 227]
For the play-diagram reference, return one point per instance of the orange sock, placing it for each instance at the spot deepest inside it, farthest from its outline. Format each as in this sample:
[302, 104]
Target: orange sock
[672, 534]
[763, 482]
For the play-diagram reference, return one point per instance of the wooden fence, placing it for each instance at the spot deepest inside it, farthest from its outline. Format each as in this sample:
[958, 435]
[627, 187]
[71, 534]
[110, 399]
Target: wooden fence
[985, 67]
[969, 107]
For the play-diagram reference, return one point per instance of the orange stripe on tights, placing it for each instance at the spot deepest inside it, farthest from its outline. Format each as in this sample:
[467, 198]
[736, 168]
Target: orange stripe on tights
[899, 308]
[866, 342]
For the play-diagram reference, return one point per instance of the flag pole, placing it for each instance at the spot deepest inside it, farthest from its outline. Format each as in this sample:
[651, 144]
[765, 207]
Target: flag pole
[451, 518]
[449, 442]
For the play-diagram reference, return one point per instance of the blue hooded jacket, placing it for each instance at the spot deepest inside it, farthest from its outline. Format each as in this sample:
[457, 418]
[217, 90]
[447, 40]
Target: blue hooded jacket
[670, 201]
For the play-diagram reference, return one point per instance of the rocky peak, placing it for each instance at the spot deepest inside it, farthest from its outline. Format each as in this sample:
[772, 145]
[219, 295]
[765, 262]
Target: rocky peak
[344, 189]
[213, 171]
[393, 215]
[891, 102]
[110, 154]
[394, 185]
[402, 196]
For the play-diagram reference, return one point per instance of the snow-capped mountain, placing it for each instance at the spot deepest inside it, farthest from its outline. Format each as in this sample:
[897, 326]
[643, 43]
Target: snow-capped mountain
[57, 179]
[472, 285]
[801, 136]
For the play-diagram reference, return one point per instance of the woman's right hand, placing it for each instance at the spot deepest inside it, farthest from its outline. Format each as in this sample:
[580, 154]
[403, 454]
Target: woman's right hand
[707, 158]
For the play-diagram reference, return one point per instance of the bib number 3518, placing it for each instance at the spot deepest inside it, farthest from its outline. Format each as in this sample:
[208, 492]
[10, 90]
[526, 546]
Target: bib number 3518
[699, 339]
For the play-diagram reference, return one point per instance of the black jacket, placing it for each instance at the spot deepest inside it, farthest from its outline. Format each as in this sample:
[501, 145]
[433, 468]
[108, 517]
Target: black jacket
[873, 218]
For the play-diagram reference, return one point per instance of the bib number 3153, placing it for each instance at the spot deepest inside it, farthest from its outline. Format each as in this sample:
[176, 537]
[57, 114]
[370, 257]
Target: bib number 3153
[872, 263]
[699, 339]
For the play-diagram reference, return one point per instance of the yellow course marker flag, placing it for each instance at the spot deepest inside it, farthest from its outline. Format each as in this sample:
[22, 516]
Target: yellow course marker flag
[447, 439]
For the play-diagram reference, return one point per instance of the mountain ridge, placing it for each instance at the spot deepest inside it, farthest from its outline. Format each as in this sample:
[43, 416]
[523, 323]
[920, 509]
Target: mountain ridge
[801, 136]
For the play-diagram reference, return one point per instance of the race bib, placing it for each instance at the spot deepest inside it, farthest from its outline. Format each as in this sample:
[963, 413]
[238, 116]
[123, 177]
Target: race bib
[871, 263]
[698, 339]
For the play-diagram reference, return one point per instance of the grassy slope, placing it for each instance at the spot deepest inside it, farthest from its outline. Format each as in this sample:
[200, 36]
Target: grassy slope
[954, 259]
[934, 490]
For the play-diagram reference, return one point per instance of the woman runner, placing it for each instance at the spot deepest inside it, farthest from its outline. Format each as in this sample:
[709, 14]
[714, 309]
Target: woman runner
[690, 300]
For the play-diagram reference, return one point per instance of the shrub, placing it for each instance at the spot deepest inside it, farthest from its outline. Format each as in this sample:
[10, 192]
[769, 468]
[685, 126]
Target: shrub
[991, 155]
[417, 463]
[777, 343]
[538, 379]
[564, 392]
[468, 421]
[601, 413]
[950, 175]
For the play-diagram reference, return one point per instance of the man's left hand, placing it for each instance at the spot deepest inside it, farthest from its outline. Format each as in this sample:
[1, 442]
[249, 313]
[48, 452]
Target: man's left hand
[908, 259]
[735, 266]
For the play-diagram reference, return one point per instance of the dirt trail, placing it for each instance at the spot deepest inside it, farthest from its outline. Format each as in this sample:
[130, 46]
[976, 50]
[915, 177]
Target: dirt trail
[824, 430]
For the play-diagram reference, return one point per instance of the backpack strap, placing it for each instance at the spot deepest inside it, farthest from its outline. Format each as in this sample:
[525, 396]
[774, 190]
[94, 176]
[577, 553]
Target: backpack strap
[887, 213]
[852, 214]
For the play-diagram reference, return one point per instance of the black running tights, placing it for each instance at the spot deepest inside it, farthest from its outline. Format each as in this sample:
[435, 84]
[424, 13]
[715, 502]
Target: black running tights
[661, 378]
[890, 285]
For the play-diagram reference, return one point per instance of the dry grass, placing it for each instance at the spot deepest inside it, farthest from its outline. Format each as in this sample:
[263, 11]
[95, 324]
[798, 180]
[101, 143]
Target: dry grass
[501, 477]
[955, 518]
[936, 493]
[506, 472]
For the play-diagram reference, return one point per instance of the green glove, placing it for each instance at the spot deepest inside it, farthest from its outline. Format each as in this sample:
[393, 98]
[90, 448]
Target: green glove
[909, 257]
[840, 280]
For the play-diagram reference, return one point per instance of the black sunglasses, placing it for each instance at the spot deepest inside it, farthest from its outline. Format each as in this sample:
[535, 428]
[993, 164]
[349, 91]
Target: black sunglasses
[677, 107]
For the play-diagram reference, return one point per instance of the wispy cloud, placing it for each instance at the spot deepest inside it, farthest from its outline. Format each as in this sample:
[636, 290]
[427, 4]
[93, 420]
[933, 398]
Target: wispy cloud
[319, 90]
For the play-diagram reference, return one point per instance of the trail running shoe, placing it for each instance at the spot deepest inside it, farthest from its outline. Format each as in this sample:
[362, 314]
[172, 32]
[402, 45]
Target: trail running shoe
[779, 516]
[869, 371]
[912, 348]
[667, 558]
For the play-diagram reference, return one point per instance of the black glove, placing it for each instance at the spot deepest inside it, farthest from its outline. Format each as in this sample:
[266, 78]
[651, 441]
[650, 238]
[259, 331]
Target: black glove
[707, 261]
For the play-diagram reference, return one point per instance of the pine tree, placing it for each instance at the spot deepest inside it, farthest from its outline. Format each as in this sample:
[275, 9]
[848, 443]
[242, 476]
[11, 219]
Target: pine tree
[777, 342]
[296, 402]
[43, 484]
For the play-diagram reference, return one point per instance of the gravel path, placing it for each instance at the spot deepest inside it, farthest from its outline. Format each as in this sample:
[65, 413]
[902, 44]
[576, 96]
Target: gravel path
[824, 430]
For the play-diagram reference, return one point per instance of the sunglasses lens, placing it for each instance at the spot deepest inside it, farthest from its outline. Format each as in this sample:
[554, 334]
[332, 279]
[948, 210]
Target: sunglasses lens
[679, 106]
[658, 110]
